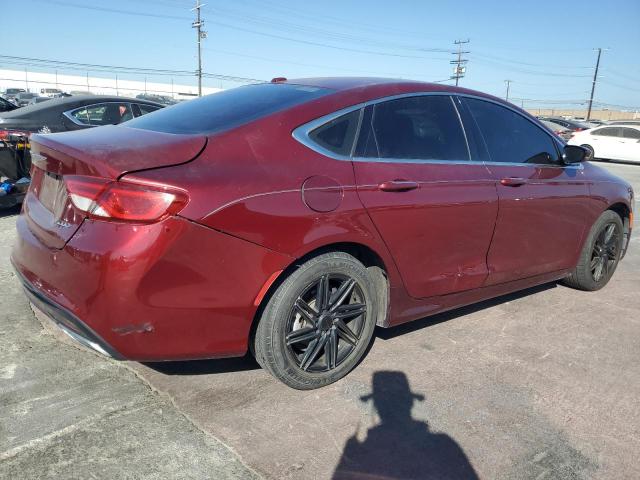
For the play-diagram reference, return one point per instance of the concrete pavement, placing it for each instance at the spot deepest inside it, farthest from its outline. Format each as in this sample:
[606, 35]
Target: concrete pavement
[542, 384]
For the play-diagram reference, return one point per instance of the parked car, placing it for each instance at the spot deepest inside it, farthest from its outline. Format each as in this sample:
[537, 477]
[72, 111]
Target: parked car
[163, 99]
[50, 92]
[558, 129]
[624, 122]
[611, 142]
[6, 105]
[596, 123]
[23, 98]
[36, 100]
[573, 125]
[73, 113]
[80, 92]
[291, 218]
[10, 93]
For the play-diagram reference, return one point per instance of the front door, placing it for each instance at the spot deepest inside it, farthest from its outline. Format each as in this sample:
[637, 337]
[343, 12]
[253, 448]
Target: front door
[543, 203]
[433, 206]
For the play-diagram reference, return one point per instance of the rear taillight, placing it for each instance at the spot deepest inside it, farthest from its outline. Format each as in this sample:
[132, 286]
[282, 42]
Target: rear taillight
[7, 134]
[122, 201]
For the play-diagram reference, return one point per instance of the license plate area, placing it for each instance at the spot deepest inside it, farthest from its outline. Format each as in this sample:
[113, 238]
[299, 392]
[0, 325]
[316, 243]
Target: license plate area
[52, 193]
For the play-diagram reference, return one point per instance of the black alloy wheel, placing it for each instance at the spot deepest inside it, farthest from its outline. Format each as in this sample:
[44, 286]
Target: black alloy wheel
[326, 322]
[600, 254]
[605, 252]
[318, 323]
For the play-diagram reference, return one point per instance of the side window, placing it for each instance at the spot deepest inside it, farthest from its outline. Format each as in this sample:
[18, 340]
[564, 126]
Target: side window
[102, 114]
[144, 109]
[631, 133]
[510, 137]
[337, 135]
[422, 127]
[607, 132]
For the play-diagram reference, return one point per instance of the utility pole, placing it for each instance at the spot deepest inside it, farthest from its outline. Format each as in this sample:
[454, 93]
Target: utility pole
[459, 69]
[201, 35]
[508, 82]
[593, 85]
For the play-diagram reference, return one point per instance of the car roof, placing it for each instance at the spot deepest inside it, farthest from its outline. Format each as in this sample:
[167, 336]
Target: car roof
[379, 87]
[618, 125]
[74, 101]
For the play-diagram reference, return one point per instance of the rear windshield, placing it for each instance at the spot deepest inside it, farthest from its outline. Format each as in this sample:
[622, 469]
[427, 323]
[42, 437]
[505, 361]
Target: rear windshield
[227, 109]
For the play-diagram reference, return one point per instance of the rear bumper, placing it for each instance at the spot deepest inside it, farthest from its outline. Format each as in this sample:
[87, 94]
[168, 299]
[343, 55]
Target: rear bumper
[67, 321]
[174, 290]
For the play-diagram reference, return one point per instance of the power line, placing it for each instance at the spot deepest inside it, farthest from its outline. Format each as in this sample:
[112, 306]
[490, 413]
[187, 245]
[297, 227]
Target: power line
[43, 63]
[255, 32]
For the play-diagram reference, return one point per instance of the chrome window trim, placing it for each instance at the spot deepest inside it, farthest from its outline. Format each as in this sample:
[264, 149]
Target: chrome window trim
[69, 113]
[301, 134]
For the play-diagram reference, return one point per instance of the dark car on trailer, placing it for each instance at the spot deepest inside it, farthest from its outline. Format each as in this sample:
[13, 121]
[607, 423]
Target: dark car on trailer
[56, 115]
[74, 113]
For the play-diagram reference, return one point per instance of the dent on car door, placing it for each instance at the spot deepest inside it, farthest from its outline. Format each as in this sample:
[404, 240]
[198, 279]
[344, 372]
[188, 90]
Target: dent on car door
[543, 203]
[433, 206]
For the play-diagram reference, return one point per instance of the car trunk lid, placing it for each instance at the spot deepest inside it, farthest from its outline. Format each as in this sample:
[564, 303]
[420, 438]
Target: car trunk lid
[104, 152]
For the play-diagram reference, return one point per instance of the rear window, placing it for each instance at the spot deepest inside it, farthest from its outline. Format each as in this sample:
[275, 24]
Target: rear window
[227, 109]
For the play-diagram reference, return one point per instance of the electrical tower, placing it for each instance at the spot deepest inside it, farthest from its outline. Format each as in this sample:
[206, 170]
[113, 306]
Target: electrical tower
[459, 70]
[198, 24]
[508, 82]
[593, 84]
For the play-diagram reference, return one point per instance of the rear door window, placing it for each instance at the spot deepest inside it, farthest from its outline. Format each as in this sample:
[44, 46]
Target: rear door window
[631, 133]
[111, 113]
[607, 132]
[337, 135]
[423, 127]
[228, 109]
[509, 136]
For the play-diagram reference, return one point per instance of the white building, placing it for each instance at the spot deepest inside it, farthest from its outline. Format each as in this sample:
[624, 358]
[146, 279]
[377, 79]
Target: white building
[35, 81]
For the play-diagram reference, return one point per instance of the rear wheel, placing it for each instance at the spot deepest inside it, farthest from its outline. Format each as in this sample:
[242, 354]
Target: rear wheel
[319, 322]
[600, 254]
[590, 152]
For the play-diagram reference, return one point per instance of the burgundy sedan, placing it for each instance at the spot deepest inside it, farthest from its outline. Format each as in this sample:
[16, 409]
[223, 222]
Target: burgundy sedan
[290, 218]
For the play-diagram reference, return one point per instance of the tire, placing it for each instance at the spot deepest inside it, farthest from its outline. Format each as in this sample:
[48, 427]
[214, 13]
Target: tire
[600, 254]
[592, 153]
[344, 324]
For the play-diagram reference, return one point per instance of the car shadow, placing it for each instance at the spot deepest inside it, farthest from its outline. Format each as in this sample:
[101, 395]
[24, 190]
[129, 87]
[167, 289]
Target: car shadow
[399, 446]
[205, 367]
[10, 211]
[241, 364]
[389, 333]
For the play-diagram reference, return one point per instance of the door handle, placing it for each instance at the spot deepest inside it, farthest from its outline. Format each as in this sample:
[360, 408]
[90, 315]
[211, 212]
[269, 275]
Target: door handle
[513, 181]
[398, 186]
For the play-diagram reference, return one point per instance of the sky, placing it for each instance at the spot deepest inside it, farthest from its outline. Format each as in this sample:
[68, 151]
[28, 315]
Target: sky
[546, 48]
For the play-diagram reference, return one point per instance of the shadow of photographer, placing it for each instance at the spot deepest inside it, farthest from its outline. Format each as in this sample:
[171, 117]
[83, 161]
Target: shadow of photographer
[400, 447]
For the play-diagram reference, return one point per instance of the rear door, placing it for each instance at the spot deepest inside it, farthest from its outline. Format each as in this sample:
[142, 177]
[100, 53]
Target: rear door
[629, 144]
[605, 142]
[543, 203]
[434, 207]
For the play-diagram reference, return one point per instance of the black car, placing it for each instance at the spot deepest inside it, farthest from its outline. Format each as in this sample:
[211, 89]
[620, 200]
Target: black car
[10, 93]
[74, 113]
[573, 125]
[24, 98]
[6, 105]
[152, 97]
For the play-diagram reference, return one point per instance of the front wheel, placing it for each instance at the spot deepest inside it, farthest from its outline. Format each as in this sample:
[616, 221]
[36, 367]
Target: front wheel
[319, 322]
[600, 254]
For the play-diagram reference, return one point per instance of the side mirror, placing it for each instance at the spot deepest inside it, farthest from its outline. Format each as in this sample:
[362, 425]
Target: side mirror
[575, 154]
